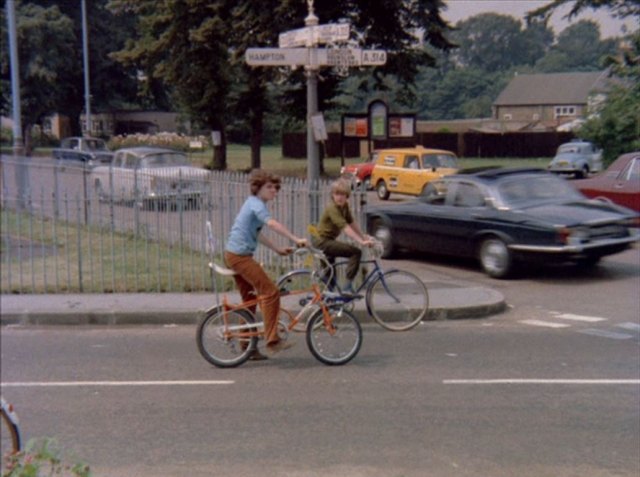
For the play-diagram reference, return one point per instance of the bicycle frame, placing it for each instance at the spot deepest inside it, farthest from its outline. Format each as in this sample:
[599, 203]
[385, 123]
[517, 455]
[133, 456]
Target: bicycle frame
[244, 331]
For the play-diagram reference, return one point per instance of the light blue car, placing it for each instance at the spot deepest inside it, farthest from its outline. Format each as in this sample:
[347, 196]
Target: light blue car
[578, 158]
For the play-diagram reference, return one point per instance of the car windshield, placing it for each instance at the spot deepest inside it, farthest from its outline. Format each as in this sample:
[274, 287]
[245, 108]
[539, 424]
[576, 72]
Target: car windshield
[569, 149]
[96, 145]
[166, 159]
[438, 160]
[516, 191]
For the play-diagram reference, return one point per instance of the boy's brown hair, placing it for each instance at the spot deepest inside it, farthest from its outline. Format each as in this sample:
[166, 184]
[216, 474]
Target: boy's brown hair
[260, 177]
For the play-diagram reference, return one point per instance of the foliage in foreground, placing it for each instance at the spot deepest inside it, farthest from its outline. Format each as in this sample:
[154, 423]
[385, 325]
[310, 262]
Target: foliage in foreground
[43, 457]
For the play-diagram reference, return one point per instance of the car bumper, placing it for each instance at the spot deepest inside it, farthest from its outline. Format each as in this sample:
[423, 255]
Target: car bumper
[611, 245]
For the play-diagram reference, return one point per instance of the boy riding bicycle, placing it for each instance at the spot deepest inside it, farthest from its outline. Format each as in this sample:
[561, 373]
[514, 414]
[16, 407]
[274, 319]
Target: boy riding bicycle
[335, 219]
[251, 279]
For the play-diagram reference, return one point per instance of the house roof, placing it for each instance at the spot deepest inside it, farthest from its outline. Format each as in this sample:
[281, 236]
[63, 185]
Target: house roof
[553, 88]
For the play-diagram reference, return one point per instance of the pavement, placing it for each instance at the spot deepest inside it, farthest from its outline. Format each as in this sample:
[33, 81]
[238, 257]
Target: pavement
[449, 299]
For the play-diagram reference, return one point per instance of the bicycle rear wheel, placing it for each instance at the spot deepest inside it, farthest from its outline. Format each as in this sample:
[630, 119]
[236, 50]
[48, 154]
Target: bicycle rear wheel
[9, 434]
[397, 300]
[219, 340]
[337, 342]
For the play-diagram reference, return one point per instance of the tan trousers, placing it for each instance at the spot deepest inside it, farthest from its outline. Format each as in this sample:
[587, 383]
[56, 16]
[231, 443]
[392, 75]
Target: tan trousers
[251, 279]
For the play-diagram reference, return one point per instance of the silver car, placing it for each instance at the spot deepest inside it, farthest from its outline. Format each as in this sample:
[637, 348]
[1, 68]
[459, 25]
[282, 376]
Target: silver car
[577, 158]
[150, 178]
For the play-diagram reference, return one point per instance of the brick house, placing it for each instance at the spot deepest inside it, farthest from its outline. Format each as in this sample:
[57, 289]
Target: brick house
[552, 99]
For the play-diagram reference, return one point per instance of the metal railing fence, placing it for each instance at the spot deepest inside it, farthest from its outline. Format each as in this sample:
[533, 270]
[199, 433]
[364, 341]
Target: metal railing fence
[60, 233]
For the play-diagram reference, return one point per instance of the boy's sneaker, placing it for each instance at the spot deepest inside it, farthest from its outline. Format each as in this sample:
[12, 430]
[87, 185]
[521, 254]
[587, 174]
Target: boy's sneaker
[275, 348]
[348, 290]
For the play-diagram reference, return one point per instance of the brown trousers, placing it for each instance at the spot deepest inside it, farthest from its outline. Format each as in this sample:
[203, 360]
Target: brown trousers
[252, 281]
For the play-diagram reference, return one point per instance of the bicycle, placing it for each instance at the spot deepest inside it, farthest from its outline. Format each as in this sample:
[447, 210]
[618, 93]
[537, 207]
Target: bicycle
[396, 299]
[228, 333]
[10, 432]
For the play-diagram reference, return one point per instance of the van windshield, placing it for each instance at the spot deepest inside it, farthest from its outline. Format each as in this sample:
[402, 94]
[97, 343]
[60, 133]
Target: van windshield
[430, 161]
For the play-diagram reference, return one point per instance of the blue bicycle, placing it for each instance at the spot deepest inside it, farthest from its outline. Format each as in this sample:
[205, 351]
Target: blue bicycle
[396, 299]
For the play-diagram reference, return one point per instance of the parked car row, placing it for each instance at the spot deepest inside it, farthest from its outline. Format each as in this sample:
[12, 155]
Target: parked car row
[86, 151]
[150, 177]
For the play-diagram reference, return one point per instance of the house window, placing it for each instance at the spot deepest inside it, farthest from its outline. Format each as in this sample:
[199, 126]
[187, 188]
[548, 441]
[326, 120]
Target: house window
[561, 111]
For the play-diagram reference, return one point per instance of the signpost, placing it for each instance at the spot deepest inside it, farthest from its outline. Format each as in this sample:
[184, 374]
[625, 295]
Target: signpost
[299, 48]
[317, 57]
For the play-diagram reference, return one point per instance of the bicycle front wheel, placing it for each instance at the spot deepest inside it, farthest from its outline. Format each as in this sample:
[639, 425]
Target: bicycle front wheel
[222, 337]
[337, 342]
[397, 300]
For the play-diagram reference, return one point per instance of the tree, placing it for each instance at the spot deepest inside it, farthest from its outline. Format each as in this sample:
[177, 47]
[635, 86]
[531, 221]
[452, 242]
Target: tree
[616, 126]
[220, 31]
[493, 42]
[185, 44]
[46, 56]
[618, 8]
[578, 48]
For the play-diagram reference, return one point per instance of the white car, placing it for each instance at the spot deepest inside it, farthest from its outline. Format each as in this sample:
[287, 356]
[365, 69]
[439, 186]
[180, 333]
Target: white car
[150, 177]
[577, 158]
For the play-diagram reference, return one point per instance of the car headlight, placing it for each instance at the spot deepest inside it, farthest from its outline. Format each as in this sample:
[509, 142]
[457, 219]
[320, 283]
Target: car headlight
[574, 236]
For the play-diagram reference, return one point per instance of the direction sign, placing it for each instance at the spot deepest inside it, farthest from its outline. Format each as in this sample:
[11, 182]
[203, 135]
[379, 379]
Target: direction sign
[312, 35]
[314, 57]
[277, 56]
[373, 57]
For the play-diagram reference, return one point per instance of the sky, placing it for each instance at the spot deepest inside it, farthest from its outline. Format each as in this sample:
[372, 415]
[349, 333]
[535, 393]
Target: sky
[461, 9]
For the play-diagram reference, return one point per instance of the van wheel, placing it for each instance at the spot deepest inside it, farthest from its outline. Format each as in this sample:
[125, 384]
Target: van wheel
[383, 192]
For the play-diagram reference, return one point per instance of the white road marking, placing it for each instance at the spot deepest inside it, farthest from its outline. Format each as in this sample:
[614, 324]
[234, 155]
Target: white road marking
[541, 381]
[111, 383]
[629, 326]
[548, 324]
[606, 334]
[589, 319]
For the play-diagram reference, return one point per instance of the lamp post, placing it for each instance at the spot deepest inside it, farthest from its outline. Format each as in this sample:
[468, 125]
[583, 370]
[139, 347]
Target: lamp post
[85, 60]
[15, 79]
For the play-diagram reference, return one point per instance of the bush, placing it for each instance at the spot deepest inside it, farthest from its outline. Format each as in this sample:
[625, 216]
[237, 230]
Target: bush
[42, 457]
[169, 140]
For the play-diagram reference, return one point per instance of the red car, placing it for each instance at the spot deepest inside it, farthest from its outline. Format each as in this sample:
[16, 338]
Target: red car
[360, 173]
[620, 183]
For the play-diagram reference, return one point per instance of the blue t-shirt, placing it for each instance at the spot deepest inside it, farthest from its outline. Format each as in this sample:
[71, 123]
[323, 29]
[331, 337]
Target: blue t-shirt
[253, 215]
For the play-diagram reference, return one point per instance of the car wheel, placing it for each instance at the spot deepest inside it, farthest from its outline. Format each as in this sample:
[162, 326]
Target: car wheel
[582, 173]
[495, 257]
[383, 192]
[382, 232]
[367, 183]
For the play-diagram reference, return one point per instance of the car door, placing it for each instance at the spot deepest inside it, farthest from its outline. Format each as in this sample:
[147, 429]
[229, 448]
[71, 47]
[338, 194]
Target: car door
[408, 175]
[464, 213]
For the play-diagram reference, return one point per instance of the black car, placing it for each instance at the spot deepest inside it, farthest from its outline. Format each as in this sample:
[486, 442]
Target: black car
[502, 216]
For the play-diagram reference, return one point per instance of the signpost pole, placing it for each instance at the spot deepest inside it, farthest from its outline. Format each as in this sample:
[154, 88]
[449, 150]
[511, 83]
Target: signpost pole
[313, 151]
